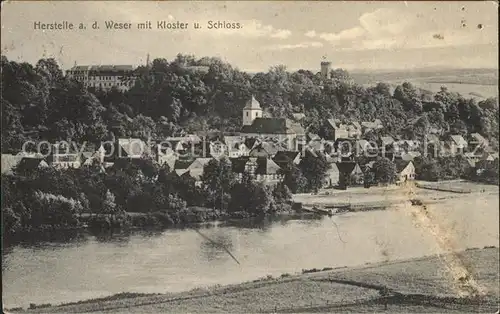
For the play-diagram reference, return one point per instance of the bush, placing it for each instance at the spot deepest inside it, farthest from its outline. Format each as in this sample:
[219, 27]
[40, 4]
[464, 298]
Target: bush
[107, 222]
[197, 215]
[53, 210]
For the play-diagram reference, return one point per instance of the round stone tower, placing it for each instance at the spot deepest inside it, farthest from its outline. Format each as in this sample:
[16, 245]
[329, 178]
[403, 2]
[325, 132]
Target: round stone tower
[325, 69]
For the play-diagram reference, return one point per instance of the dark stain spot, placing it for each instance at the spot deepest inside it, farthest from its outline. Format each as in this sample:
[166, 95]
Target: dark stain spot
[480, 26]
[438, 36]
[463, 23]
[463, 9]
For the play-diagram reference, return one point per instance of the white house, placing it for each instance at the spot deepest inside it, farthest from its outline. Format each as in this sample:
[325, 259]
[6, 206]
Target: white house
[405, 171]
[260, 169]
[196, 169]
[104, 76]
[235, 146]
[457, 144]
[64, 157]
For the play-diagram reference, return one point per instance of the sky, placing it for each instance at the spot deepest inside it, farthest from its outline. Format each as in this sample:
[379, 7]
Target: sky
[352, 35]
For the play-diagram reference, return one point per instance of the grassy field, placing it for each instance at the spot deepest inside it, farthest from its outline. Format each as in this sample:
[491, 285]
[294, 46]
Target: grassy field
[468, 90]
[471, 76]
[474, 83]
[459, 186]
[420, 285]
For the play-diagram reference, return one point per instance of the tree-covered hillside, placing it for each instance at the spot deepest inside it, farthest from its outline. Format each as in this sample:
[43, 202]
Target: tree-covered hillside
[39, 102]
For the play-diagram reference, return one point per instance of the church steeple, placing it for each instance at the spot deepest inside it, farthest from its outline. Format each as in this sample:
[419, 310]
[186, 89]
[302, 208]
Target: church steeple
[251, 111]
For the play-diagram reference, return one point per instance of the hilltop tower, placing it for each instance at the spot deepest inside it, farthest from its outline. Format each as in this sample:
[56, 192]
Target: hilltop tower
[251, 111]
[325, 69]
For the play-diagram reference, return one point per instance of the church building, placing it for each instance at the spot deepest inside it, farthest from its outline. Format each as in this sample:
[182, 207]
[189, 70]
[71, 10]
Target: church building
[289, 135]
[251, 111]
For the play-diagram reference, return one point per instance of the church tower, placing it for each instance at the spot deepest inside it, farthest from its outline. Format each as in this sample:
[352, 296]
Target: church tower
[251, 111]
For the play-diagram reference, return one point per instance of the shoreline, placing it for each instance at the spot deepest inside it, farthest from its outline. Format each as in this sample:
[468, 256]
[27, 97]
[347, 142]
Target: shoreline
[356, 199]
[378, 283]
[21, 237]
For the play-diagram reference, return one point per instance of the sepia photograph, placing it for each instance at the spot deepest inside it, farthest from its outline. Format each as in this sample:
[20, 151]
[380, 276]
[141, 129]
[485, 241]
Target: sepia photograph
[250, 157]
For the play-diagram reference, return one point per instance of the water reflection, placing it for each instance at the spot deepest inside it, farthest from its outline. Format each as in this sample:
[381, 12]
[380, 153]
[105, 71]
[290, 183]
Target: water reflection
[40, 239]
[266, 223]
[120, 238]
[215, 244]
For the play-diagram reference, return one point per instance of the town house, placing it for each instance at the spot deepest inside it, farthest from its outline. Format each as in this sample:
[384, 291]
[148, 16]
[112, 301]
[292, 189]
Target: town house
[260, 169]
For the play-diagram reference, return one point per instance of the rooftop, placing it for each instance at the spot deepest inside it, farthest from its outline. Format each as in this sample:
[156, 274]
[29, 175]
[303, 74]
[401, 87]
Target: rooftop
[264, 148]
[252, 104]
[263, 165]
[458, 139]
[401, 165]
[273, 126]
[133, 146]
[478, 138]
[104, 68]
[387, 140]
[9, 162]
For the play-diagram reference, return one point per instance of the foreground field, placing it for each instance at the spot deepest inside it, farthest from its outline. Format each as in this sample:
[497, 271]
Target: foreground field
[427, 284]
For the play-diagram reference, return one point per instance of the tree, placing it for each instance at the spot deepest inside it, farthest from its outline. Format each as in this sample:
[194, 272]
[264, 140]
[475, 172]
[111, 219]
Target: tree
[341, 76]
[294, 179]
[261, 199]
[281, 197]
[175, 203]
[12, 128]
[109, 206]
[453, 167]
[487, 171]
[314, 167]
[407, 95]
[251, 197]
[383, 89]
[428, 169]
[11, 221]
[384, 171]
[50, 69]
[218, 179]
[142, 127]
[369, 178]
[54, 210]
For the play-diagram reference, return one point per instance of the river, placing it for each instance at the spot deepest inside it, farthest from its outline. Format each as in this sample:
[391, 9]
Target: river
[88, 266]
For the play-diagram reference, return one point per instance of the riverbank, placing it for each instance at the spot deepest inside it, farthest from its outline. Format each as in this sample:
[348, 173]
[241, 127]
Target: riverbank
[357, 198]
[416, 285]
[354, 199]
